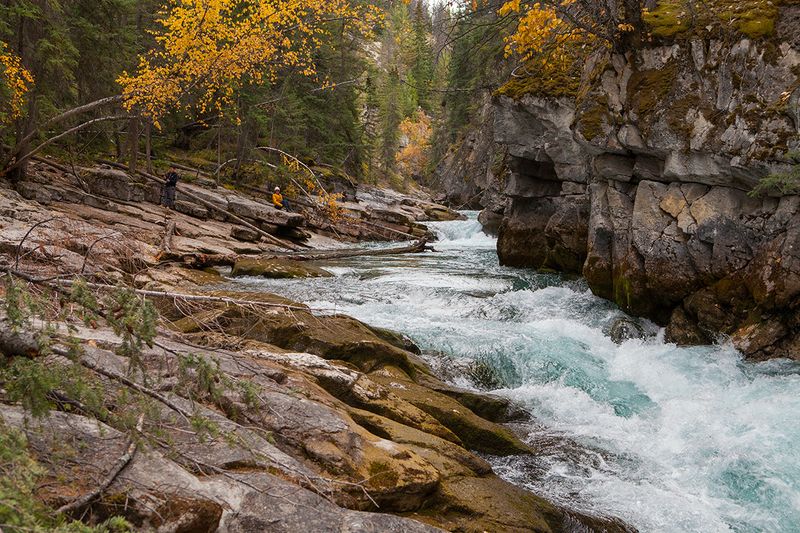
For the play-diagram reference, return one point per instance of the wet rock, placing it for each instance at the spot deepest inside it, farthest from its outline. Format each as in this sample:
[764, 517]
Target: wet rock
[357, 390]
[488, 406]
[396, 339]
[684, 331]
[669, 220]
[491, 221]
[277, 269]
[475, 432]
[770, 337]
[624, 329]
[545, 233]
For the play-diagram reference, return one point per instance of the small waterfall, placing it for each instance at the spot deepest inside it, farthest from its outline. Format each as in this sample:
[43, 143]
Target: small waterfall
[463, 233]
[670, 439]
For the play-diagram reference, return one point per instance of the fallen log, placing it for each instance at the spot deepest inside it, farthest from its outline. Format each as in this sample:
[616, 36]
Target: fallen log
[200, 261]
[271, 238]
[118, 467]
[415, 248]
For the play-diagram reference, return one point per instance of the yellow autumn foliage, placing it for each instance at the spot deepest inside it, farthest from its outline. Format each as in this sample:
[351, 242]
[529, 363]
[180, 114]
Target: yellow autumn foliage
[542, 33]
[207, 49]
[548, 43]
[416, 131]
[15, 82]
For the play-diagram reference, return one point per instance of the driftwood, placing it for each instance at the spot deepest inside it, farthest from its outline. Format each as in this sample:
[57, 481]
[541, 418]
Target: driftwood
[197, 171]
[271, 238]
[55, 120]
[119, 466]
[415, 248]
[201, 261]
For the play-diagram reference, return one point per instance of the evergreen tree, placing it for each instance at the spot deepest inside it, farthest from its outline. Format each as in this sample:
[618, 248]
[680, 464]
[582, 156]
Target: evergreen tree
[391, 116]
[422, 66]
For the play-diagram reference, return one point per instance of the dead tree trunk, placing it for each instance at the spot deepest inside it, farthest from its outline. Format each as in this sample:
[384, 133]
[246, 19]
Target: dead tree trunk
[133, 144]
[148, 147]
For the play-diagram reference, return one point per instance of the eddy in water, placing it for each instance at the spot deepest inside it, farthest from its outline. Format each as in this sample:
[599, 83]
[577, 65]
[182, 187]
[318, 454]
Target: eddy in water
[669, 439]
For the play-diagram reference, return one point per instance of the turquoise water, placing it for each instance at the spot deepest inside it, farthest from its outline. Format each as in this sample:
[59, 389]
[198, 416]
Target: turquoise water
[669, 439]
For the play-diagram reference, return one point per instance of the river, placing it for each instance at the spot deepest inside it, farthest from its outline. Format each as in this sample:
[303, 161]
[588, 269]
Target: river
[669, 439]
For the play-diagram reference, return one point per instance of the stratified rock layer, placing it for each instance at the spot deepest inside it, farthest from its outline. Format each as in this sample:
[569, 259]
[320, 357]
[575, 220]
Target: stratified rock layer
[642, 187]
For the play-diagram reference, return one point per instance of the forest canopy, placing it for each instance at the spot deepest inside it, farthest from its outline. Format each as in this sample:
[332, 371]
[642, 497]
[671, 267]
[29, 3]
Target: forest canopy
[375, 89]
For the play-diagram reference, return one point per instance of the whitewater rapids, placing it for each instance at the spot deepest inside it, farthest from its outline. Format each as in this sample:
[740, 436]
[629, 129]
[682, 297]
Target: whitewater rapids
[668, 439]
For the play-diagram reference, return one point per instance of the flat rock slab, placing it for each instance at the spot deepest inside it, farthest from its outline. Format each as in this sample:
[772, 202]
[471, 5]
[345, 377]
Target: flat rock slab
[262, 212]
[277, 269]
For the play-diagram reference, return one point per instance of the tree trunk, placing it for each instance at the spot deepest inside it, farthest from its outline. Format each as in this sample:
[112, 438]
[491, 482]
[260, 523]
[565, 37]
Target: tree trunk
[133, 144]
[149, 147]
[118, 145]
[27, 127]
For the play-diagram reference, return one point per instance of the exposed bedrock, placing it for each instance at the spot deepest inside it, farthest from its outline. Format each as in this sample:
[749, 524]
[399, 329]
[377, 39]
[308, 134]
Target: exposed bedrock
[642, 186]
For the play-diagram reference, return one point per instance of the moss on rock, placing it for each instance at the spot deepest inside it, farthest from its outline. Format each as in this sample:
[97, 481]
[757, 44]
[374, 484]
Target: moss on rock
[590, 123]
[650, 90]
[754, 19]
[277, 269]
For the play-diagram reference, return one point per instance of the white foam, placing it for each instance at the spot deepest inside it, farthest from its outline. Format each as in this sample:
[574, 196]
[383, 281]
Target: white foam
[674, 439]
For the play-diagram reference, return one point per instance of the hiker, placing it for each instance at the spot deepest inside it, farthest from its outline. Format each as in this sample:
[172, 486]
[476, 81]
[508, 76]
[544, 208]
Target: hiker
[168, 193]
[278, 200]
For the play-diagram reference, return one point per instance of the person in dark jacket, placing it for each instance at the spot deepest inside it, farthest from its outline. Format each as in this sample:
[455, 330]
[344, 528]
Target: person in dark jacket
[168, 194]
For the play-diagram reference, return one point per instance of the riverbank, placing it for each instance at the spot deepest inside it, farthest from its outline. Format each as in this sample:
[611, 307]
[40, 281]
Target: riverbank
[667, 438]
[241, 411]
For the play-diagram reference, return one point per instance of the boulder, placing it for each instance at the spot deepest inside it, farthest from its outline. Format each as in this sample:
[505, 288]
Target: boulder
[115, 184]
[475, 432]
[392, 216]
[215, 198]
[491, 221]
[263, 212]
[35, 191]
[440, 213]
[624, 329]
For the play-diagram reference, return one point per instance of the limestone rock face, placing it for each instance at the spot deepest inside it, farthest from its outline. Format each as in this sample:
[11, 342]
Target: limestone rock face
[642, 186]
[473, 173]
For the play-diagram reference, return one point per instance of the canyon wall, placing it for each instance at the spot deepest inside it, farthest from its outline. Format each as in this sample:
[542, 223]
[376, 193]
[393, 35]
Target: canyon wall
[642, 183]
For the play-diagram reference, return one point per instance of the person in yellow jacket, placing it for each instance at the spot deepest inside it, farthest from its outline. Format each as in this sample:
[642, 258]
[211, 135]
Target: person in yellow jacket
[278, 200]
